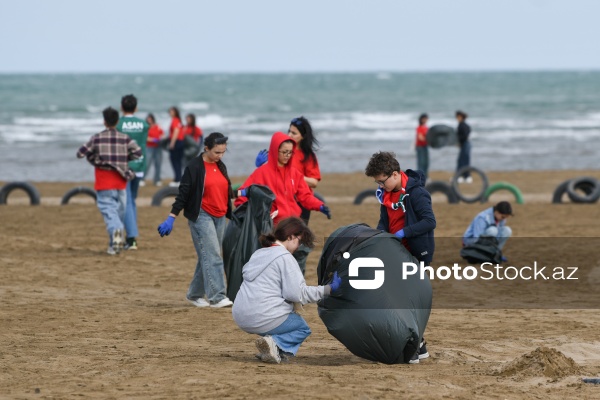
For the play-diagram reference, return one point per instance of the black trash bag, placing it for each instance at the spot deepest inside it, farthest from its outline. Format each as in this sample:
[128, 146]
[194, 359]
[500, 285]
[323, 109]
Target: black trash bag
[441, 135]
[191, 148]
[384, 324]
[248, 222]
[485, 249]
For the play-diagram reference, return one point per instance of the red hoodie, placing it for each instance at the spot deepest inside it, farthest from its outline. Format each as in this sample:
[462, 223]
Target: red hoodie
[286, 182]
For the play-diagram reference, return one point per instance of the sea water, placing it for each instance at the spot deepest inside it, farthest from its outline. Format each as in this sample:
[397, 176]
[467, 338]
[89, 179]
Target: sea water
[519, 120]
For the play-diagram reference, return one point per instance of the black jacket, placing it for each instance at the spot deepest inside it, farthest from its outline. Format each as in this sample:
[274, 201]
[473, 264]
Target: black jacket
[419, 218]
[463, 132]
[191, 189]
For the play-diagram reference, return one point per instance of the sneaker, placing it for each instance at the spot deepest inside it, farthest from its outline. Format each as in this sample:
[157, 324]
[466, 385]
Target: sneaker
[469, 179]
[131, 244]
[111, 251]
[423, 353]
[142, 183]
[157, 184]
[117, 240]
[174, 184]
[414, 359]
[269, 352]
[199, 302]
[223, 303]
[460, 179]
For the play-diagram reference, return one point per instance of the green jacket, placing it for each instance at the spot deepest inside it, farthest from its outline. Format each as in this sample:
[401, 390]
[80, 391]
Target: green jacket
[136, 129]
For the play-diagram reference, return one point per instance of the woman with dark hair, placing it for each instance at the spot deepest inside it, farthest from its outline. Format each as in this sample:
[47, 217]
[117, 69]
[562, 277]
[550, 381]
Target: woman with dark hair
[421, 145]
[191, 129]
[273, 287]
[176, 145]
[204, 195]
[304, 158]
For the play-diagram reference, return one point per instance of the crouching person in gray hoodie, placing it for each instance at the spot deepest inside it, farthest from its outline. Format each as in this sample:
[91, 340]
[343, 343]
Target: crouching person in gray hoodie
[272, 284]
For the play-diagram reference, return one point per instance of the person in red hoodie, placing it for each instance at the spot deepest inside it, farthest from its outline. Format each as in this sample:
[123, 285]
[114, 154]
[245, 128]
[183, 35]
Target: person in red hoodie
[288, 185]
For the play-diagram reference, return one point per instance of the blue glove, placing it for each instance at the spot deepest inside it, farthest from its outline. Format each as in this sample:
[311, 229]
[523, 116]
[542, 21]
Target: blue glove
[399, 234]
[261, 158]
[325, 210]
[166, 227]
[379, 195]
[335, 284]
[243, 192]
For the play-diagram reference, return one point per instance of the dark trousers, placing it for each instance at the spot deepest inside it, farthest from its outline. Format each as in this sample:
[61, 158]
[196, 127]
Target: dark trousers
[176, 157]
[464, 158]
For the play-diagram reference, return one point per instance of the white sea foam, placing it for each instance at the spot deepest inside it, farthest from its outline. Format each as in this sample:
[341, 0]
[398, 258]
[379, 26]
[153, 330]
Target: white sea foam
[194, 106]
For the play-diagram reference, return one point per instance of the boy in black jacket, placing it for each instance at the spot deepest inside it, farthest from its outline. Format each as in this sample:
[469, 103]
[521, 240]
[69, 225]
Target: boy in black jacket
[405, 211]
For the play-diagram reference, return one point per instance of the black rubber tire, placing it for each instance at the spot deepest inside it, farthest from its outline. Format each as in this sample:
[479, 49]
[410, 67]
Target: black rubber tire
[365, 194]
[443, 187]
[75, 191]
[503, 186]
[484, 179]
[559, 191]
[32, 192]
[575, 197]
[163, 194]
[320, 197]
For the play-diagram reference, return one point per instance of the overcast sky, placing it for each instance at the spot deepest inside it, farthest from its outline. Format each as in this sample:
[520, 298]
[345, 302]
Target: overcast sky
[297, 36]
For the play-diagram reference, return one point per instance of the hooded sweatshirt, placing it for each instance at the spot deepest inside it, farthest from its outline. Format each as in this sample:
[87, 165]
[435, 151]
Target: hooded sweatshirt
[272, 282]
[287, 183]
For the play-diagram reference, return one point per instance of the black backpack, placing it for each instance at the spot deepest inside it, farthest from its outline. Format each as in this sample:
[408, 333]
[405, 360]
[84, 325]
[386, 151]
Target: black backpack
[485, 249]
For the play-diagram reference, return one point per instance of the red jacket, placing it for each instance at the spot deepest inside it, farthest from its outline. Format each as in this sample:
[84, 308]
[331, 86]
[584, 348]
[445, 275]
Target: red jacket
[287, 183]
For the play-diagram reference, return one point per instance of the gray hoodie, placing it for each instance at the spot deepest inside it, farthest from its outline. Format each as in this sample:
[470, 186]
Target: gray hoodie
[272, 282]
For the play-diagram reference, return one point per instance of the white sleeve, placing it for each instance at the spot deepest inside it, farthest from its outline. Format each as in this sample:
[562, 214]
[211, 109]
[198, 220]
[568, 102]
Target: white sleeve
[293, 285]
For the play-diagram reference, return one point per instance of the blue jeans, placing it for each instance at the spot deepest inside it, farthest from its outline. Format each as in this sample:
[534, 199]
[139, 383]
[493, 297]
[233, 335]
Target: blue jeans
[209, 276]
[176, 156]
[423, 159]
[154, 155]
[501, 234]
[130, 221]
[464, 158]
[290, 334]
[111, 204]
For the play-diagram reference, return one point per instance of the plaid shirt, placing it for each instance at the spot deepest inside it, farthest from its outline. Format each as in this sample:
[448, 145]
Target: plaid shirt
[111, 149]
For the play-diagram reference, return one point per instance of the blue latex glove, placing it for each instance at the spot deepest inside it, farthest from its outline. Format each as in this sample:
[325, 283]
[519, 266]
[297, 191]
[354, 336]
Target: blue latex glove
[379, 195]
[243, 192]
[166, 227]
[261, 158]
[399, 234]
[503, 259]
[335, 284]
[325, 210]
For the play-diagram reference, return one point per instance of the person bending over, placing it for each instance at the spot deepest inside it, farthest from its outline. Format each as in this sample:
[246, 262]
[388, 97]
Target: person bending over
[491, 222]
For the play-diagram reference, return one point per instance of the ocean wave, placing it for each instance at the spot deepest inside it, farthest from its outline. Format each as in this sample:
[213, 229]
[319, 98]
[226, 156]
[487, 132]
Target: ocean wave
[191, 106]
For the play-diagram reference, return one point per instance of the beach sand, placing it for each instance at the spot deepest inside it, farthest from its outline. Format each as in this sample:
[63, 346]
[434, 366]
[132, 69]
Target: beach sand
[77, 322]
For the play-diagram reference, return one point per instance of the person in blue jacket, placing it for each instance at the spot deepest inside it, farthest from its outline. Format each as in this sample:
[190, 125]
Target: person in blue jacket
[405, 211]
[490, 222]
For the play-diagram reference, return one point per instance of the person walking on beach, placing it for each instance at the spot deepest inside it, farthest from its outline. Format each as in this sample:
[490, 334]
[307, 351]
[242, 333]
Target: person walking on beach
[491, 222]
[421, 145]
[286, 182]
[405, 211]
[273, 286]
[109, 151]
[176, 145]
[136, 129]
[153, 150]
[464, 156]
[204, 196]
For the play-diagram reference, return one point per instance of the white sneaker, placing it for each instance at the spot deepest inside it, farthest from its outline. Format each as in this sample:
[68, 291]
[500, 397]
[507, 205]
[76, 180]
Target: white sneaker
[142, 183]
[223, 303]
[199, 302]
[117, 241]
[268, 349]
[469, 179]
[174, 184]
[111, 251]
[460, 179]
[158, 184]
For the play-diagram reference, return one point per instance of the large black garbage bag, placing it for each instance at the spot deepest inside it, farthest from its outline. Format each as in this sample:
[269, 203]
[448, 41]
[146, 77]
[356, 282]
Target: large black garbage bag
[485, 249]
[384, 324]
[249, 221]
[441, 135]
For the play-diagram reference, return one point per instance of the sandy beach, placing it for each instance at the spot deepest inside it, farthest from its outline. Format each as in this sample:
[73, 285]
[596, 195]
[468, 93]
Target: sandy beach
[79, 323]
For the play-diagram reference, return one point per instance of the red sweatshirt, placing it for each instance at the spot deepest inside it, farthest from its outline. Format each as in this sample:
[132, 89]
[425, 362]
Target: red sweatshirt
[286, 182]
